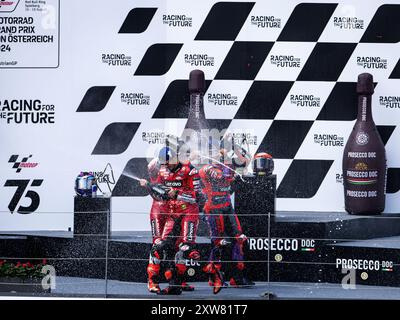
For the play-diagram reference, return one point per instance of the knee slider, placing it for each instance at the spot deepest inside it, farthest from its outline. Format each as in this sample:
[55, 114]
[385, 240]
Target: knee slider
[158, 248]
[222, 243]
[188, 251]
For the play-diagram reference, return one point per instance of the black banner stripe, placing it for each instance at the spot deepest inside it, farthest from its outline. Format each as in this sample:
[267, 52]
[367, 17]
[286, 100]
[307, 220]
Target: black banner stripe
[393, 180]
[126, 186]
[158, 59]
[307, 22]
[244, 60]
[263, 100]
[224, 21]
[396, 71]
[175, 101]
[385, 132]
[341, 104]
[116, 138]
[95, 99]
[303, 178]
[284, 138]
[384, 26]
[137, 20]
[327, 61]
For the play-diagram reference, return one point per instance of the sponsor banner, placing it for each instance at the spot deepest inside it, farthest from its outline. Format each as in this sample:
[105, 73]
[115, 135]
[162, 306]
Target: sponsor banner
[265, 25]
[31, 111]
[280, 244]
[285, 61]
[223, 98]
[116, 59]
[280, 76]
[325, 141]
[364, 264]
[347, 23]
[378, 60]
[305, 100]
[29, 26]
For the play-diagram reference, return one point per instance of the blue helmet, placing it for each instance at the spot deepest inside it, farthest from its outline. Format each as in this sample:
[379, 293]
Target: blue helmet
[84, 184]
[167, 155]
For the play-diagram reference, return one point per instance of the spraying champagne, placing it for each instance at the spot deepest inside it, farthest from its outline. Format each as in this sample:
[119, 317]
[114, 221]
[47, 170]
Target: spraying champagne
[157, 191]
[195, 139]
[364, 159]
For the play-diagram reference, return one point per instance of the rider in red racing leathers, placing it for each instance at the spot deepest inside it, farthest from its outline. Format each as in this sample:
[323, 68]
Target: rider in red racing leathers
[227, 237]
[174, 233]
[157, 219]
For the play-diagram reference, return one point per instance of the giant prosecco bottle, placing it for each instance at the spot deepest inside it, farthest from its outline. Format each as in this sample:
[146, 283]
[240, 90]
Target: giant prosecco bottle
[197, 85]
[364, 159]
[195, 134]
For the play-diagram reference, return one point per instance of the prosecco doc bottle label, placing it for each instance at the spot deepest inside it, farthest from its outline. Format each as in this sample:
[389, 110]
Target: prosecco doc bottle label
[364, 159]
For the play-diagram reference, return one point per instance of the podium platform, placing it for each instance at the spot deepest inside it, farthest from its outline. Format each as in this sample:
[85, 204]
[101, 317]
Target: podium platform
[304, 247]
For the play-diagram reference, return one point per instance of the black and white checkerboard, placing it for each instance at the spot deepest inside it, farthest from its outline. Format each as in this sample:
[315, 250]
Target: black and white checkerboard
[281, 72]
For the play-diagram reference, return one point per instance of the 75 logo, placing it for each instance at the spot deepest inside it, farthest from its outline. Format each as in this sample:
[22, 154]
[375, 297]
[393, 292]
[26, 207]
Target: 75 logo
[21, 186]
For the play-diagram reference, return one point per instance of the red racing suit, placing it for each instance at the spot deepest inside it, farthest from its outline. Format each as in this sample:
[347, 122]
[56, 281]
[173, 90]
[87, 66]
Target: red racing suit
[183, 209]
[176, 220]
[225, 230]
[158, 209]
[157, 220]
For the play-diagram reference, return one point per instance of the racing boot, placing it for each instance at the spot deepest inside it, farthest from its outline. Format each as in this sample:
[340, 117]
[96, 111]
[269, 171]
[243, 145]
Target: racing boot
[187, 287]
[215, 276]
[238, 279]
[172, 289]
[175, 283]
[153, 271]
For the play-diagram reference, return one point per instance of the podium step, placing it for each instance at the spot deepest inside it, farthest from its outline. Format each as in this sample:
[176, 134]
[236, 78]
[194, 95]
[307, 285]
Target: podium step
[301, 247]
[334, 225]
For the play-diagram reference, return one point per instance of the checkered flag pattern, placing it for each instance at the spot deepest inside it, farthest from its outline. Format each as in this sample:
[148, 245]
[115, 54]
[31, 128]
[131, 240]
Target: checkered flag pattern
[281, 74]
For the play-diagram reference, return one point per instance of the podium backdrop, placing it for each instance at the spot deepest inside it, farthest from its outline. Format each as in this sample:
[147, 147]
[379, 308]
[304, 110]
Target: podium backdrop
[87, 83]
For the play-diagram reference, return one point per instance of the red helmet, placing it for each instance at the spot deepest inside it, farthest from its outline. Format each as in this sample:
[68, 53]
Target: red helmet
[263, 164]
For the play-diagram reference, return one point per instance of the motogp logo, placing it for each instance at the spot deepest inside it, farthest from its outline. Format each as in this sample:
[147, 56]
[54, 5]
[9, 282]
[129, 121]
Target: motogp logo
[19, 165]
[8, 5]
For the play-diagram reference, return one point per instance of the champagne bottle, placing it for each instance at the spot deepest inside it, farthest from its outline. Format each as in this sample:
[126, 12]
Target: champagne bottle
[196, 118]
[364, 159]
[194, 134]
